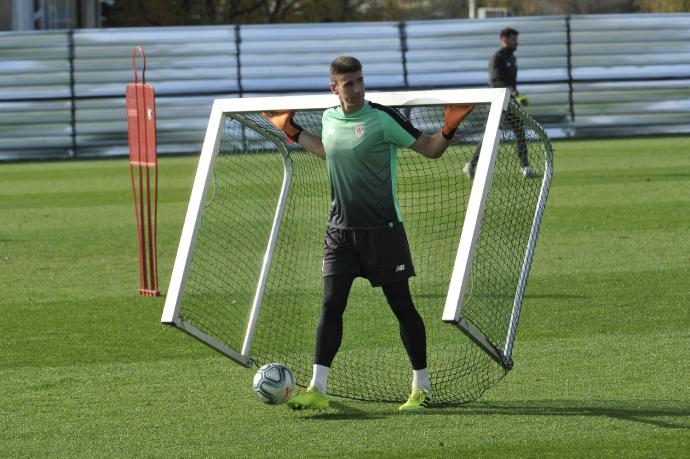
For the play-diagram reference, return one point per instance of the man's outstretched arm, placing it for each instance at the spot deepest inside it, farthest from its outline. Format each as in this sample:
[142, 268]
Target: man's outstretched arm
[312, 143]
[293, 131]
[433, 146]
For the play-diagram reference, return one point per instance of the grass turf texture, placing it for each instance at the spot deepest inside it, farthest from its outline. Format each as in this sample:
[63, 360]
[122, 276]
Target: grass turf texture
[601, 357]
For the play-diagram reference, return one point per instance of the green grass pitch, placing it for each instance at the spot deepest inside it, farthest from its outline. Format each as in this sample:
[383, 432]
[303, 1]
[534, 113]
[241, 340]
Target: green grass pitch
[602, 356]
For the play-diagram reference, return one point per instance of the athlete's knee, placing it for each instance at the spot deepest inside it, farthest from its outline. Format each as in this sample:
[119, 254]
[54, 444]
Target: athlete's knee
[400, 299]
[335, 294]
[332, 309]
[397, 292]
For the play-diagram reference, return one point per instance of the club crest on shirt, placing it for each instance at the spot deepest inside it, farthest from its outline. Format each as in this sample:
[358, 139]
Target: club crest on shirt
[359, 131]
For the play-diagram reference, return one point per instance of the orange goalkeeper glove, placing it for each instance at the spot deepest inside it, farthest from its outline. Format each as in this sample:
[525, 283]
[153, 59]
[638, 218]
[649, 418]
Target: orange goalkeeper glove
[453, 116]
[284, 122]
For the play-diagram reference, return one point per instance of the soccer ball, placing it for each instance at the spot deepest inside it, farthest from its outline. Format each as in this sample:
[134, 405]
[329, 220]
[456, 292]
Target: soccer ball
[273, 383]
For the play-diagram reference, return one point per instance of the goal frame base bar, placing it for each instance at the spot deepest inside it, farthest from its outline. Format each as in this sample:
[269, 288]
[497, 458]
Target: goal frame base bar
[480, 340]
[211, 342]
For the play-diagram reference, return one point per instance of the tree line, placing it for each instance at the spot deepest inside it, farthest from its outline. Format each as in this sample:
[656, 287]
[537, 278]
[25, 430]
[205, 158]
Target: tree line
[132, 13]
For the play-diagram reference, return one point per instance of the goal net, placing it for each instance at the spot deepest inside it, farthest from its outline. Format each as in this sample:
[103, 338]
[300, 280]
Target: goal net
[247, 277]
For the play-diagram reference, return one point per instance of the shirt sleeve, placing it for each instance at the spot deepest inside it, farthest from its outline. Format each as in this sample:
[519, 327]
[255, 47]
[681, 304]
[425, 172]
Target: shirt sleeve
[396, 129]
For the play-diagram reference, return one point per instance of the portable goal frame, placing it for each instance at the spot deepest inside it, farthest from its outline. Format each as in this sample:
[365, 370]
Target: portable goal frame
[498, 101]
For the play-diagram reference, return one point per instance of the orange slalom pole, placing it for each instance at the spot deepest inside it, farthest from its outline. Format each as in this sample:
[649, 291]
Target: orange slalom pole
[141, 129]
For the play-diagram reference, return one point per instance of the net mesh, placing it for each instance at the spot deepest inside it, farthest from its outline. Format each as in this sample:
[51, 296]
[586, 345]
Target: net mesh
[433, 195]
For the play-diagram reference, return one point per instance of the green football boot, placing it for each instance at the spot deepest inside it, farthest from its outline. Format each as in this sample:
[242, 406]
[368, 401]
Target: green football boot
[310, 399]
[420, 399]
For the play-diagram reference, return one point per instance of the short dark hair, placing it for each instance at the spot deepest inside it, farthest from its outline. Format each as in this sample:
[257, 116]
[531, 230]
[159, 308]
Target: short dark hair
[345, 64]
[509, 32]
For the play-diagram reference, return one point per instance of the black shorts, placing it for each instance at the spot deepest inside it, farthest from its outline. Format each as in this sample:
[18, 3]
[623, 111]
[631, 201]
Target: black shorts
[380, 255]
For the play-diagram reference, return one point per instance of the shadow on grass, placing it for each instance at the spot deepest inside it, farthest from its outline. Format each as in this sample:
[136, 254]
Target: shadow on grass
[560, 296]
[623, 178]
[648, 412]
[640, 411]
[342, 410]
[531, 296]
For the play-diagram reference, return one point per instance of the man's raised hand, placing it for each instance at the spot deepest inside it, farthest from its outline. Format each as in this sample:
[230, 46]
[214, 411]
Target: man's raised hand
[453, 115]
[284, 121]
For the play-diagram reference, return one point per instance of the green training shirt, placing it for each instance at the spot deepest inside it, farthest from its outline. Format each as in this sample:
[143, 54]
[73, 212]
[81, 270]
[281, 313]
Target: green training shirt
[361, 154]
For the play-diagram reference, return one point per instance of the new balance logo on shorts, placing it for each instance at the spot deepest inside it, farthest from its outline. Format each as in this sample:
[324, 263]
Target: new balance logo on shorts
[399, 268]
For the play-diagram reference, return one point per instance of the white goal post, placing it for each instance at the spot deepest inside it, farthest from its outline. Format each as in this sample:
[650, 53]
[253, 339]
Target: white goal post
[497, 105]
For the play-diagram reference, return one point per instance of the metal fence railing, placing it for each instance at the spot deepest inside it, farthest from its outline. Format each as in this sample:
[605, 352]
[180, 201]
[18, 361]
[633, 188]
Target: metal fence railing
[62, 92]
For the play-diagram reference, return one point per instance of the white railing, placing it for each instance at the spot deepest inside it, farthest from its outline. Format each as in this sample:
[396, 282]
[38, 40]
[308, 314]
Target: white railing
[62, 92]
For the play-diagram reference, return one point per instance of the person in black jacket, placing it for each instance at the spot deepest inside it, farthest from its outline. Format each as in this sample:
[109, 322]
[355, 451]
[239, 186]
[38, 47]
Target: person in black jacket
[503, 74]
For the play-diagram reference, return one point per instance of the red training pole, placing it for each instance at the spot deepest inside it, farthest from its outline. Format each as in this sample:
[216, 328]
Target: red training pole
[141, 128]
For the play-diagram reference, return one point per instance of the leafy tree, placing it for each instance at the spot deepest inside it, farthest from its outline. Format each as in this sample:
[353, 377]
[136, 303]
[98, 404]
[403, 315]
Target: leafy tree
[545, 7]
[189, 12]
[663, 6]
[120, 13]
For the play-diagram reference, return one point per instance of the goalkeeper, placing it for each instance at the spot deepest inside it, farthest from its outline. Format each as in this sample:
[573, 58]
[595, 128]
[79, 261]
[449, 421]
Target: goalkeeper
[365, 235]
[503, 74]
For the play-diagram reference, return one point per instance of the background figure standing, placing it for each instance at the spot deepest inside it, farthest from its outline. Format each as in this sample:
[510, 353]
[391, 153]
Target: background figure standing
[503, 74]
